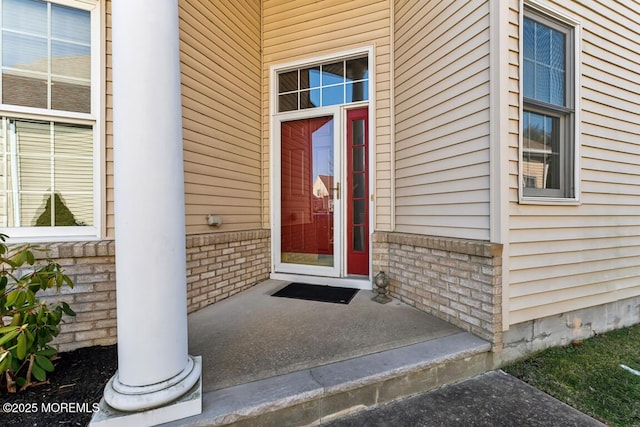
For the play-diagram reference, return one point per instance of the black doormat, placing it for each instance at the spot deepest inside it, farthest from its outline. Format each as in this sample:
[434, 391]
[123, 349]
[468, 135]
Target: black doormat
[317, 293]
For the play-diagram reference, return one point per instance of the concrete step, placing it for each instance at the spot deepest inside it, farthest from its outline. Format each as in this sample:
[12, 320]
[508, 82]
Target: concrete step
[323, 393]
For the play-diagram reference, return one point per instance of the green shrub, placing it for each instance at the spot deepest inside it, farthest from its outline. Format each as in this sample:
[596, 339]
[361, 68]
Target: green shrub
[27, 325]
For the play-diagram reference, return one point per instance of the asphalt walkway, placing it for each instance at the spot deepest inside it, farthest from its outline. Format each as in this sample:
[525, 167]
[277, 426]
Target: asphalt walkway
[493, 399]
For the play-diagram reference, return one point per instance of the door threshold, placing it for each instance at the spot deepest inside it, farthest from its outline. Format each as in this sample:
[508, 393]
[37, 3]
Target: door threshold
[341, 282]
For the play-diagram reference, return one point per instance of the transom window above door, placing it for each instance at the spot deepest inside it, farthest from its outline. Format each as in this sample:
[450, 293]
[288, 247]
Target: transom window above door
[331, 83]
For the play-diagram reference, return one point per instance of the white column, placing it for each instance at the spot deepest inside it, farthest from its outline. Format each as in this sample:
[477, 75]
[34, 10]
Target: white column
[153, 365]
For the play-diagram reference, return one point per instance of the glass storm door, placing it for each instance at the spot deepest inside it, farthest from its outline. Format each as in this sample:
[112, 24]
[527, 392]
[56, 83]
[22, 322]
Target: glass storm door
[309, 197]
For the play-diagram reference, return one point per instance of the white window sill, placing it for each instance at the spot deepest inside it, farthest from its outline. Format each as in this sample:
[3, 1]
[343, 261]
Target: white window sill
[47, 235]
[551, 201]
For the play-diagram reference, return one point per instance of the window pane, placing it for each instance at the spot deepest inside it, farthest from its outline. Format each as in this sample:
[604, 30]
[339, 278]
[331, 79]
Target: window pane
[48, 174]
[541, 157]
[332, 95]
[33, 144]
[46, 64]
[310, 98]
[24, 89]
[358, 69]
[358, 91]
[73, 140]
[529, 45]
[33, 138]
[288, 102]
[543, 43]
[33, 210]
[27, 16]
[529, 77]
[333, 73]
[543, 83]
[287, 82]
[70, 24]
[24, 52]
[310, 78]
[77, 209]
[557, 59]
[71, 60]
[556, 87]
[358, 212]
[358, 158]
[332, 83]
[544, 53]
[358, 239]
[70, 95]
[358, 185]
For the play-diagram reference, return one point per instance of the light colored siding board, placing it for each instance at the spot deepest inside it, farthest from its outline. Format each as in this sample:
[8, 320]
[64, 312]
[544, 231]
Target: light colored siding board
[592, 284]
[471, 76]
[564, 258]
[449, 163]
[443, 202]
[442, 137]
[221, 69]
[442, 118]
[108, 130]
[212, 29]
[197, 137]
[465, 117]
[571, 246]
[458, 43]
[438, 177]
[551, 258]
[332, 17]
[464, 184]
[243, 173]
[575, 303]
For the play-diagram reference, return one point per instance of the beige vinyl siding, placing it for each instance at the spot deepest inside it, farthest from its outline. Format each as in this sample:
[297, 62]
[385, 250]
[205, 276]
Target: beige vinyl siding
[220, 63]
[442, 118]
[108, 158]
[304, 29]
[564, 258]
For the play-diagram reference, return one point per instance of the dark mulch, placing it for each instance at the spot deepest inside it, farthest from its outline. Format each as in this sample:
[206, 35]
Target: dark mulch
[68, 399]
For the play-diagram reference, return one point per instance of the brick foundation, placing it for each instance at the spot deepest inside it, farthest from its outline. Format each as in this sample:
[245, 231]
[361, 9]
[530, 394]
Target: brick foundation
[218, 265]
[91, 267]
[222, 264]
[459, 281]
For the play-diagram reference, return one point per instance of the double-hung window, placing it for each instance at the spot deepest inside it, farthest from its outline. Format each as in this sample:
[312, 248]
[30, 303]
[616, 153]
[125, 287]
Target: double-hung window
[548, 120]
[49, 111]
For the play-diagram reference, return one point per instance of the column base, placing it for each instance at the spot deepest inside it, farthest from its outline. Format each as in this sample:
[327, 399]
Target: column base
[180, 397]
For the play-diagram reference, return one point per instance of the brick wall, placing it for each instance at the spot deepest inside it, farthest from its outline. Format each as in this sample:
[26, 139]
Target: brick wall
[222, 264]
[91, 266]
[218, 265]
[456, 280]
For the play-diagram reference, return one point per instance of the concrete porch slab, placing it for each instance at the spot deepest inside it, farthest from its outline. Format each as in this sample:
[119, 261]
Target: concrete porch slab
[252, 335]
[281, 361]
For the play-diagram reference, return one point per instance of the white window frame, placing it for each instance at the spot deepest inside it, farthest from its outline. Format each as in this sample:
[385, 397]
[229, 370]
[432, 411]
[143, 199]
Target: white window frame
[94, 119]
[571, 132]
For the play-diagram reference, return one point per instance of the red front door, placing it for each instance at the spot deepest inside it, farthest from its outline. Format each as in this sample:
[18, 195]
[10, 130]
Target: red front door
[357, 220]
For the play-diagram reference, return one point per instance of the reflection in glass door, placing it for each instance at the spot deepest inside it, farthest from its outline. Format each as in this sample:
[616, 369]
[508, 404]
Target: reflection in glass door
[308, 192]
